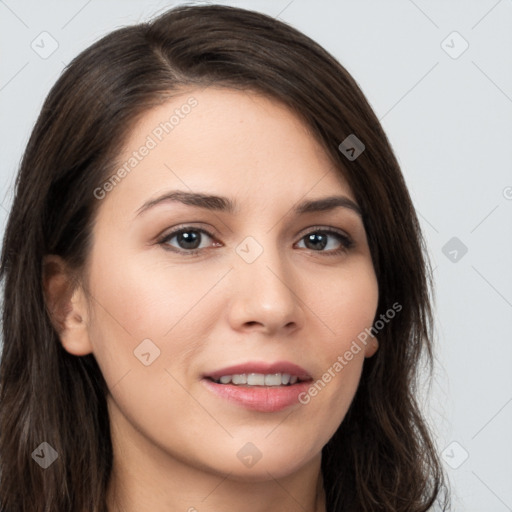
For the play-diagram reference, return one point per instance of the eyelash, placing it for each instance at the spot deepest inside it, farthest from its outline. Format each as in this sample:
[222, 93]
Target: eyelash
[346, 242]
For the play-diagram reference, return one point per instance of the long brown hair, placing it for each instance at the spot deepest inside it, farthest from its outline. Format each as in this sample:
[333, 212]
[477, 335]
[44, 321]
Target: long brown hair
[382, 457]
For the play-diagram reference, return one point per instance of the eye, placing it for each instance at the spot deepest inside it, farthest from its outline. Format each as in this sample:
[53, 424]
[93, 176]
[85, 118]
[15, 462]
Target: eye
[187, 238]
[188, 241]
[318, 240]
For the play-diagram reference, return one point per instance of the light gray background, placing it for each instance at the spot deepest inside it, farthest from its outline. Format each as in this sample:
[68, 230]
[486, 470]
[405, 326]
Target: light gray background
[448, 117]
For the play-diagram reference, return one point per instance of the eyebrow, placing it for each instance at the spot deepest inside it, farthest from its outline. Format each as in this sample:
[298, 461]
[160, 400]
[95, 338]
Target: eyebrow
[224, 204]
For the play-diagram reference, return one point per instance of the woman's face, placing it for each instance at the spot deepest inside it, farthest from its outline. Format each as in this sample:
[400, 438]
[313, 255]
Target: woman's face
[250, 286]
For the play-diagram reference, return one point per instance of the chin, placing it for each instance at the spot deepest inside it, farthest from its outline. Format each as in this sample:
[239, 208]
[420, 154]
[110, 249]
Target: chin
[248, 463]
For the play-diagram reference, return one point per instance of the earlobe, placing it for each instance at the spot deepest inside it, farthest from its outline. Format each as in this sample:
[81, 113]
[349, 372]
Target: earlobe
[371, 347]
[66, 306]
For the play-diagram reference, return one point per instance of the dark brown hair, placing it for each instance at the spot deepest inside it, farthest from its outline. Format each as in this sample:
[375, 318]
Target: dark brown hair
[382, 457]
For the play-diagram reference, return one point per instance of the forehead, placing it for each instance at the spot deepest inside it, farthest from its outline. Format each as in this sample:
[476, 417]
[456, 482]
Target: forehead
[217, 138]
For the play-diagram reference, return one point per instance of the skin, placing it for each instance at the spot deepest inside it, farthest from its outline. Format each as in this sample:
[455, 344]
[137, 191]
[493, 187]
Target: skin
[175, 443]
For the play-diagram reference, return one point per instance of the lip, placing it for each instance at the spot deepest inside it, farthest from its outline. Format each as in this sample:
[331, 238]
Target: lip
[261, 367]
[259, 398]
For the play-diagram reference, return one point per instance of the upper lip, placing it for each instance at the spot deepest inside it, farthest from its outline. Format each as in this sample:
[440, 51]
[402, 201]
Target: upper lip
[261, 367]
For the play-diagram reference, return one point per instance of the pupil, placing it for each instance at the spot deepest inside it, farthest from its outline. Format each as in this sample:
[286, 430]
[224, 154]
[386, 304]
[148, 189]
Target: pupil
[316, 237]
[188, 237]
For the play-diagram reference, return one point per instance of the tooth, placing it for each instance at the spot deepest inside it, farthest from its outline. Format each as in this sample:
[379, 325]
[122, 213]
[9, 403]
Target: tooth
[239, 378]
[273, 380]
[256, 379]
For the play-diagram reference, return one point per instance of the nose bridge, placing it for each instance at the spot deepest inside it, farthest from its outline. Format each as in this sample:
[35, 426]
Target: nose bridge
[264, 292]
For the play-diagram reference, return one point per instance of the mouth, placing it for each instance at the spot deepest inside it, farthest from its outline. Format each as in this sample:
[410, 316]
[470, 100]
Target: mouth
[259, 387]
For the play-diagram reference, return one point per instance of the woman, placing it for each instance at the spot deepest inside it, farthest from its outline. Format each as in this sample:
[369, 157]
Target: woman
[216, 293]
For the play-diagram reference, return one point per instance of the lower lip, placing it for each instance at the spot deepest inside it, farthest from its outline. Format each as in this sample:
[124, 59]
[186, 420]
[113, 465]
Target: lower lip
[259, 398]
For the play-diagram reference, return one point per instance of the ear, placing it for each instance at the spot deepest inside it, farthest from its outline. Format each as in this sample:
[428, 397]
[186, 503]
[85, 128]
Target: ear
[371, 347]
[66, 305]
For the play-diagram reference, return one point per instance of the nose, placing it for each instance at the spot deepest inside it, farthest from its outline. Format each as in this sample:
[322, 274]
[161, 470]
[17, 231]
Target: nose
[264, 295]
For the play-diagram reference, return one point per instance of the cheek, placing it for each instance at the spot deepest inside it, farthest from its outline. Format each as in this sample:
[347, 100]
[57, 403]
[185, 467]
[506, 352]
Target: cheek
[144, 301]
[136, 299]
[349, 304]
[144, 328]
